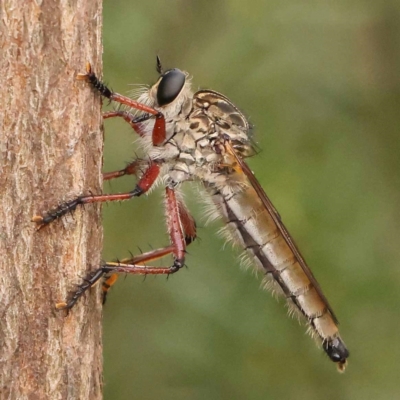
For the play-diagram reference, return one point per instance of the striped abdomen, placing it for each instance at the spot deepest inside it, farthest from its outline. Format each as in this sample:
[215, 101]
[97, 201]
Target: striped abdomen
[257, 227]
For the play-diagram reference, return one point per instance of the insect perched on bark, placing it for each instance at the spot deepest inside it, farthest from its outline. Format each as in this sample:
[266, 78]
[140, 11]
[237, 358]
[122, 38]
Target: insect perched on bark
[203, 137]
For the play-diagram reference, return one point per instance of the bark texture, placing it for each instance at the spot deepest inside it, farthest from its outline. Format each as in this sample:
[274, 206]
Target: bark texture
[50, 151]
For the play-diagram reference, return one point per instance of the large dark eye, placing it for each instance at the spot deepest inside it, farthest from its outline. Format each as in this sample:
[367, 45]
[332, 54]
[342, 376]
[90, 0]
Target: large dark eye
[170, 86]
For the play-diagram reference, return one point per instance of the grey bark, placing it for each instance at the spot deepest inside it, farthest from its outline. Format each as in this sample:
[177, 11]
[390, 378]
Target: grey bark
[50, 151]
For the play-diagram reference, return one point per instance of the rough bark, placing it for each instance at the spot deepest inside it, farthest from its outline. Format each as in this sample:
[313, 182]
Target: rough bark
[50, 151]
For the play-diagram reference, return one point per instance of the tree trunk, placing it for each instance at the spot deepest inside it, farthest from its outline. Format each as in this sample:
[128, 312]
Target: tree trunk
[50, 151]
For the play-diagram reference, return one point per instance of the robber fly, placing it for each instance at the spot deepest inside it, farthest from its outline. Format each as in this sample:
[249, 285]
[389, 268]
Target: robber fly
[203, 137]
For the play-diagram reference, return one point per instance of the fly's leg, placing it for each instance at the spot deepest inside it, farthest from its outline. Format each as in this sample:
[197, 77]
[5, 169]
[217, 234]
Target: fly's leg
[188, 223]
[131, 169]
[158, 135]
[144, 184]
[135, 122]
[139, 260]
[114, 268]
[182, 232]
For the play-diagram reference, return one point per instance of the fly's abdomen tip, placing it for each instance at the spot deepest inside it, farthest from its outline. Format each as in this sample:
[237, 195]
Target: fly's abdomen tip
[341, 366]
[337, 352]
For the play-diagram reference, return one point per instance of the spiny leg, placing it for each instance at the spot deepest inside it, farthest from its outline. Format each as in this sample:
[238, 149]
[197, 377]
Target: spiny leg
[158, 135]
[178, 219]
[131, 169]
[135, 122]
[144, 184]
[136, 260]
[189, 230]
[113, 268]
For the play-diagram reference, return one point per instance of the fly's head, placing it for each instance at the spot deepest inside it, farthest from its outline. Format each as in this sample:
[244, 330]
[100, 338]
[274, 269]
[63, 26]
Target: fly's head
[169, 93]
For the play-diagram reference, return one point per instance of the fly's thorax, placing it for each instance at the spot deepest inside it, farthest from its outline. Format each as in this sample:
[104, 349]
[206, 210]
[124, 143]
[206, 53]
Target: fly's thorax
[197, 126]
[231, 122]
[195, 147]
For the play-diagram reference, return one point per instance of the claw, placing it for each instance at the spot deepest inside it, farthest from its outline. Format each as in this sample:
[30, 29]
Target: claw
[61, 306]
[84, 77]
[39, 220]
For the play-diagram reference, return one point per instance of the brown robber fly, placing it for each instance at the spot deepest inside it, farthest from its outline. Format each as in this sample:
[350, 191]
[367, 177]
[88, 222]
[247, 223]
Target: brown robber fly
[203, 137]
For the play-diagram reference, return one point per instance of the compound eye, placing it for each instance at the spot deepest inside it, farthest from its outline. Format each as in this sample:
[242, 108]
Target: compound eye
[170, 86]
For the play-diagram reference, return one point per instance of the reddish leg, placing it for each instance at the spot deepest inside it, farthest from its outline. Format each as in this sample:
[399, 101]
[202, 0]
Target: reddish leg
[177, 218]
[135, 122]
[130, 169]
[158, 135]
[189, 229]
[188, 223]
[144, 184]
[175, 228]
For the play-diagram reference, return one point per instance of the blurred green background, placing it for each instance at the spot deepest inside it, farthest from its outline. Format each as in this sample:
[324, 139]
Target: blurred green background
[320, 82]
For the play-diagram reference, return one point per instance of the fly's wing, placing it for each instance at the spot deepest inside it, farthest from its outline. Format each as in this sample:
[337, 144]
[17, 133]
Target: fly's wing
[277, 219]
